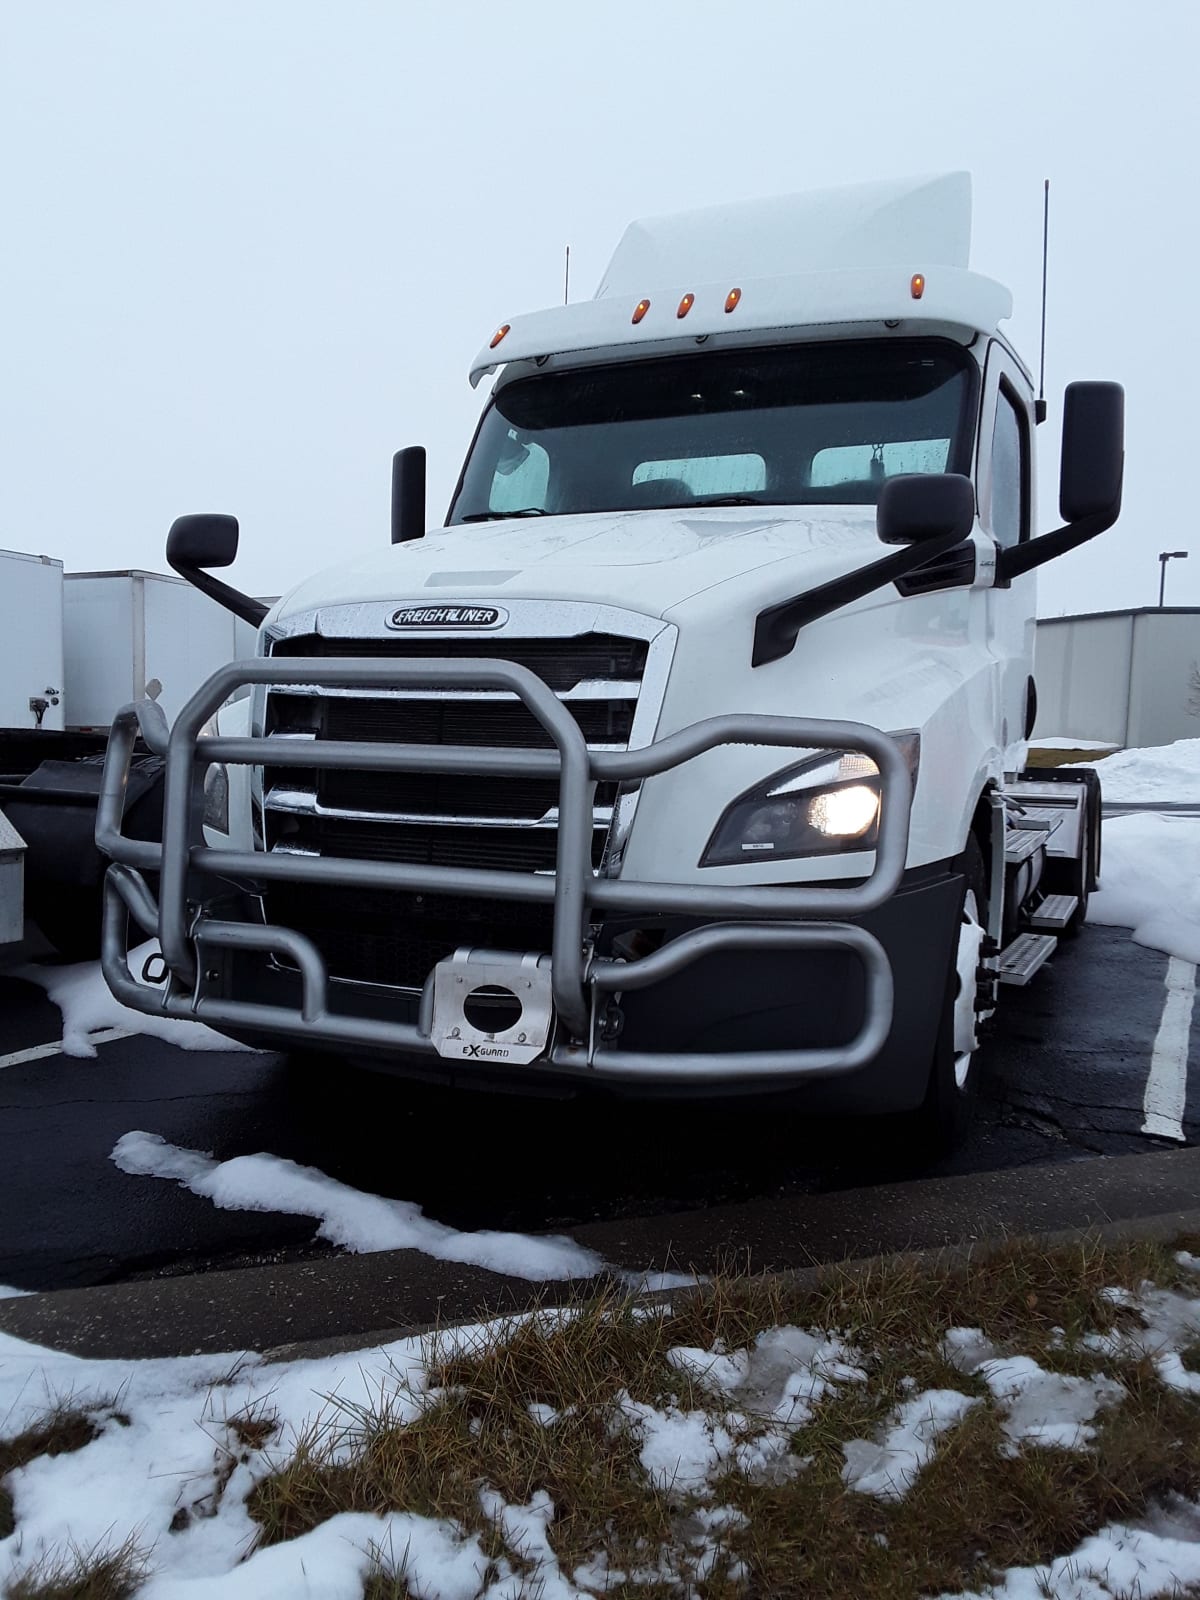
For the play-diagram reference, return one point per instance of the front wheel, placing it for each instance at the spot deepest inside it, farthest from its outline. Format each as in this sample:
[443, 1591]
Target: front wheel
[944, 1117]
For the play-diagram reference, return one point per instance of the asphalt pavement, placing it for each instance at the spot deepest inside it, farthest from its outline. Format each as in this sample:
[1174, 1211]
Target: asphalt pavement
[1064, 1079]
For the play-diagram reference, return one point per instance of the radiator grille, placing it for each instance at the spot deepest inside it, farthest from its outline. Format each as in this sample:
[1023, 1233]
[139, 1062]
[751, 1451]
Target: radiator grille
[398, 940]
[445, 820]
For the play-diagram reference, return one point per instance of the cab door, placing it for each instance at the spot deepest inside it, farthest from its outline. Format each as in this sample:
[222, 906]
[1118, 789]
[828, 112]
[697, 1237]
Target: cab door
[1005, 486]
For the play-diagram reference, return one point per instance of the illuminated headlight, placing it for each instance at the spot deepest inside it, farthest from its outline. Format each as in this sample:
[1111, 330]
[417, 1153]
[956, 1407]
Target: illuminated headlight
[826, 805]
[216, 786]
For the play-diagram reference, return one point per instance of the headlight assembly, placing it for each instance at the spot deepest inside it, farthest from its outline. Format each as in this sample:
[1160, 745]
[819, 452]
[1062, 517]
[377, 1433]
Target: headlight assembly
[827, 804]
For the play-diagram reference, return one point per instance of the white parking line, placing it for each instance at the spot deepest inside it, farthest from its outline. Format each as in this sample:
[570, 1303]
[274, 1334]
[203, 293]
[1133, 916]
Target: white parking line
[39, 1052]
[1166, 1086]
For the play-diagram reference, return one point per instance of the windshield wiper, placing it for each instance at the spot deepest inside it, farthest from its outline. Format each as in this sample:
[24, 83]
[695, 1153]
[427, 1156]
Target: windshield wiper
[502, 516]
[732, 500]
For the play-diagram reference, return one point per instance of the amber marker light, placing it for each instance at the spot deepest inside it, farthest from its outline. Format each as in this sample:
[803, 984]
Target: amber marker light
[917, 285]
[732, 298]
[640, 310]
[685, 305]
[499, 334]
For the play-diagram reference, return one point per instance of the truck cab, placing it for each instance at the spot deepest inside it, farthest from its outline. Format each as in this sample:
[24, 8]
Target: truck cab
[686, 756]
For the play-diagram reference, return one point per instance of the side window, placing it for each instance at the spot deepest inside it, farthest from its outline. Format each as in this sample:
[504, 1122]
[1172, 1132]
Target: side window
[521, 478]
[1010, 474]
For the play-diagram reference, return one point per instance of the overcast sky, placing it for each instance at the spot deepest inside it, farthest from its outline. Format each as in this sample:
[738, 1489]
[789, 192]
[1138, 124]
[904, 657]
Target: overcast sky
[249, 247]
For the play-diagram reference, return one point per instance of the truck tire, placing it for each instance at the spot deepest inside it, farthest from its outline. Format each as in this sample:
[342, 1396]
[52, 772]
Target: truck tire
[944, 1117]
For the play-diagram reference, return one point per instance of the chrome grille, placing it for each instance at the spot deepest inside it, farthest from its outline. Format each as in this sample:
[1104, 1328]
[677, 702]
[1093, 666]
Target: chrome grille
[439, 819]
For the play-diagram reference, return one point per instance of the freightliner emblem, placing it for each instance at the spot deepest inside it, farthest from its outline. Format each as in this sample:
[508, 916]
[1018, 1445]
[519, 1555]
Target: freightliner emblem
[447, 617]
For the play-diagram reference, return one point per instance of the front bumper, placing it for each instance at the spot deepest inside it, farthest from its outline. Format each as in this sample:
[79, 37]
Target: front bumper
[209, 943]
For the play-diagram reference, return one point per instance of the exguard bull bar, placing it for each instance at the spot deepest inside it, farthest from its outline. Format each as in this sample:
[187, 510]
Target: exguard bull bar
[764, 917]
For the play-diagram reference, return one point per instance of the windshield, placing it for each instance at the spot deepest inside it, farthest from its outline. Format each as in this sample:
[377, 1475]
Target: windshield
[804, 425]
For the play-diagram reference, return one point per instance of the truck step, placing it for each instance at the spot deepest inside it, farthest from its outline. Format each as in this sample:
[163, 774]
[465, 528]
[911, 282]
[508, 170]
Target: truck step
[1055, 912]
[1021, 843]
[1024, 956]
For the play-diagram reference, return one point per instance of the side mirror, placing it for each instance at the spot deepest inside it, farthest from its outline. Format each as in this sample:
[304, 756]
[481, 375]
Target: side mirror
[1093, 451]
[210, 539]
[918, 506]
[205, 539]
[408, 494]
[1090, 482]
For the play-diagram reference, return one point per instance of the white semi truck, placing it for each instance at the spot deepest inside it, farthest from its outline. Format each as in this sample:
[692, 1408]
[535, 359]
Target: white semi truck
[687, 755]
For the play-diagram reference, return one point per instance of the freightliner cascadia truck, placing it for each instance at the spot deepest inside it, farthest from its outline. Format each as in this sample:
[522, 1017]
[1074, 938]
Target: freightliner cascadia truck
[687, 756]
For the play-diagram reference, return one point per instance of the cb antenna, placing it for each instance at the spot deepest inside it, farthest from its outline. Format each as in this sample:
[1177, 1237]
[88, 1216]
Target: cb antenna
[567, 278]
[1039, 405]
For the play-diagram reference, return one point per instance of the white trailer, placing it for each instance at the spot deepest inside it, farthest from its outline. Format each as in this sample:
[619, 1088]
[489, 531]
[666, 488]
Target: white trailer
[31, 641]
[73, 651]
[129, 634]
[686, 756]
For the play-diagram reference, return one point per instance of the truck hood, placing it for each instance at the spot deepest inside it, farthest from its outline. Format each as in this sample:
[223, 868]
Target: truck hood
[648, 561]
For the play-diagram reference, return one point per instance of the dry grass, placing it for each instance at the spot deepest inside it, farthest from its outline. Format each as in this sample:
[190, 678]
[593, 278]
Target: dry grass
[974, 1509]
[1062, 758]
[82, 1575]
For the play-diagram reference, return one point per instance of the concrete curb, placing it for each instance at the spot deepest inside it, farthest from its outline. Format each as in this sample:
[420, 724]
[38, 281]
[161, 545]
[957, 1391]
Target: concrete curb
[1163, 1229]
[344, 1302]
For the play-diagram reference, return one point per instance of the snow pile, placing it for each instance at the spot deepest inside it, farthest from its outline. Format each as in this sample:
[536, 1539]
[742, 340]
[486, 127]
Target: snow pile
[1117, 1562]
[169, 1471]
[358, 1222]
[680, 1450]
[87, 1006]
[888, 1467]
[1167, 772]
[1051, 1409]
[782, 1377]
[1150, 881]
[1170, 1322]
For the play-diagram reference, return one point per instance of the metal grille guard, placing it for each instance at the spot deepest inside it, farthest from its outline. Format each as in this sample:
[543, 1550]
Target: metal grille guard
[766, 917]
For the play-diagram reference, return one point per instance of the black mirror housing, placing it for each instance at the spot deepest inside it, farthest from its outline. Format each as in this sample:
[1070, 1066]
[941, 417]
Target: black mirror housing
[205, 539]
[210, 539]
[917, 506]
[1090, 481]
[408, 494]
[1093, 451]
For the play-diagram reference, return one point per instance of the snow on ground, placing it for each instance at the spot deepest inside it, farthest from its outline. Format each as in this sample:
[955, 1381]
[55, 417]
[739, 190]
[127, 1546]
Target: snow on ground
[169, 1469]
[358, 1222]
[87, 1006]
[1150, 881]
[1150, 862]
[165, 1445]
[887, 1467]
[1162, 1558]
[1157, 772]
[782, 1377]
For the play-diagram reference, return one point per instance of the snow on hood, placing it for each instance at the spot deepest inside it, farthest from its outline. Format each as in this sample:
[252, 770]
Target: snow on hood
[649, 561]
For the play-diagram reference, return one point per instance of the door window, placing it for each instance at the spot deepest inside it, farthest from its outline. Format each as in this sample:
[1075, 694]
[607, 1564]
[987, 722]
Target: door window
[1010, 473]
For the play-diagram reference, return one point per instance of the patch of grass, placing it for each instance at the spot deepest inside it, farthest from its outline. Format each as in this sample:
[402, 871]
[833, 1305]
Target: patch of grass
[978, 1506]
[97, 1574]
[975, 1509]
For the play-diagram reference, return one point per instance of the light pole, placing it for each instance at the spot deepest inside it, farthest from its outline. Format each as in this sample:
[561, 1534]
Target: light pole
[1163, 557]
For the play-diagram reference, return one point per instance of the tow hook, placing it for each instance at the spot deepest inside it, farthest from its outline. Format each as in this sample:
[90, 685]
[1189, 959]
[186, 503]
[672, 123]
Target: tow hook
[611, 1024]
[152, 973]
